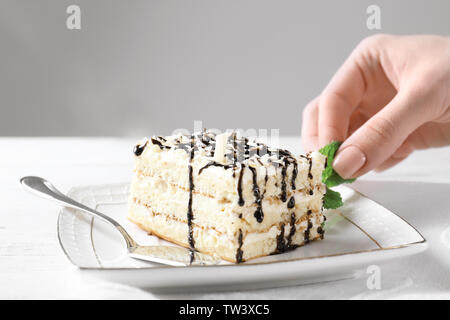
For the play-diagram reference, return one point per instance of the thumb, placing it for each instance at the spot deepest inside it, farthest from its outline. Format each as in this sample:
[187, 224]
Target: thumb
[377, 139]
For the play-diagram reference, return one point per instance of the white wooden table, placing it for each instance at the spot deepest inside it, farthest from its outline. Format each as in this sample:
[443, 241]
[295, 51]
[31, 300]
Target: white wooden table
[32, 266]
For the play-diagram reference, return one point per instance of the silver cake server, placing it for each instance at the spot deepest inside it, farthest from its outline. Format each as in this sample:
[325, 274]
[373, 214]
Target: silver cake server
[169, 255]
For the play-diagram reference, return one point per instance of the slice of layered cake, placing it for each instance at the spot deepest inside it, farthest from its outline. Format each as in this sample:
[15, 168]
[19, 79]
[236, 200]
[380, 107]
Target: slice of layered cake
[226, 195]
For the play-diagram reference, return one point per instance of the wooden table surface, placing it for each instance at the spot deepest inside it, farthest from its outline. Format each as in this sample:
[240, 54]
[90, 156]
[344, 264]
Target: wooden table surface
[32, 265]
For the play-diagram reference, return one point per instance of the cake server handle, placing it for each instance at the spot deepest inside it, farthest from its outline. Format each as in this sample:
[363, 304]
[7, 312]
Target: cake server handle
[45, 189]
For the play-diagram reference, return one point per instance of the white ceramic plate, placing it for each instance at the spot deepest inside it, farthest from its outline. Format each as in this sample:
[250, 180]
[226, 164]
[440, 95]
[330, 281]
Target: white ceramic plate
[358, 235]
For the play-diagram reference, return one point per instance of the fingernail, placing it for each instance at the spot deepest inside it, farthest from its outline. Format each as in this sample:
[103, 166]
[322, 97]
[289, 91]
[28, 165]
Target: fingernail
[349, 161]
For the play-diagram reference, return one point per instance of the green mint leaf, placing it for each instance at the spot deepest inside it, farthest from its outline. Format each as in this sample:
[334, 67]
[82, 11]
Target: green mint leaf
[329, 176]
[332, 199]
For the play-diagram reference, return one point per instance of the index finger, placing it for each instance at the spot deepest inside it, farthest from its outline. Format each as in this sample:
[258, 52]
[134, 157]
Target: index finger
[339, 99]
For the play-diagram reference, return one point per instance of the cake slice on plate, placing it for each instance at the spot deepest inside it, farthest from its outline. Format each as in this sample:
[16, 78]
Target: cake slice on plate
[227, 195]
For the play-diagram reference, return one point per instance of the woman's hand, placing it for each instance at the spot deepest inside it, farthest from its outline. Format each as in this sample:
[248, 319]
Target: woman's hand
[390, 97]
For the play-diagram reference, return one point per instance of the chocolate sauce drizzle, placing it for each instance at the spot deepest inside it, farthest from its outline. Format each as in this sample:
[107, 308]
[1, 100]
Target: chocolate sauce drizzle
[307, 231]
[320, 231]
[283, 194]
[310, 176]
[294, 175]
[215, 164]
[138, 149]
[159, 143]
[241, 200]
[239, 252]
[291, 232]
[281, 246]
[190, 214]
[259, 215]
[233, 136]
[291, 203]
[285, 244]
[288, 159]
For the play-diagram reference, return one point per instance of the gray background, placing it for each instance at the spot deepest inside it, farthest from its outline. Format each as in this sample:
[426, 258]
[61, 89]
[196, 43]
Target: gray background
[144, 67]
